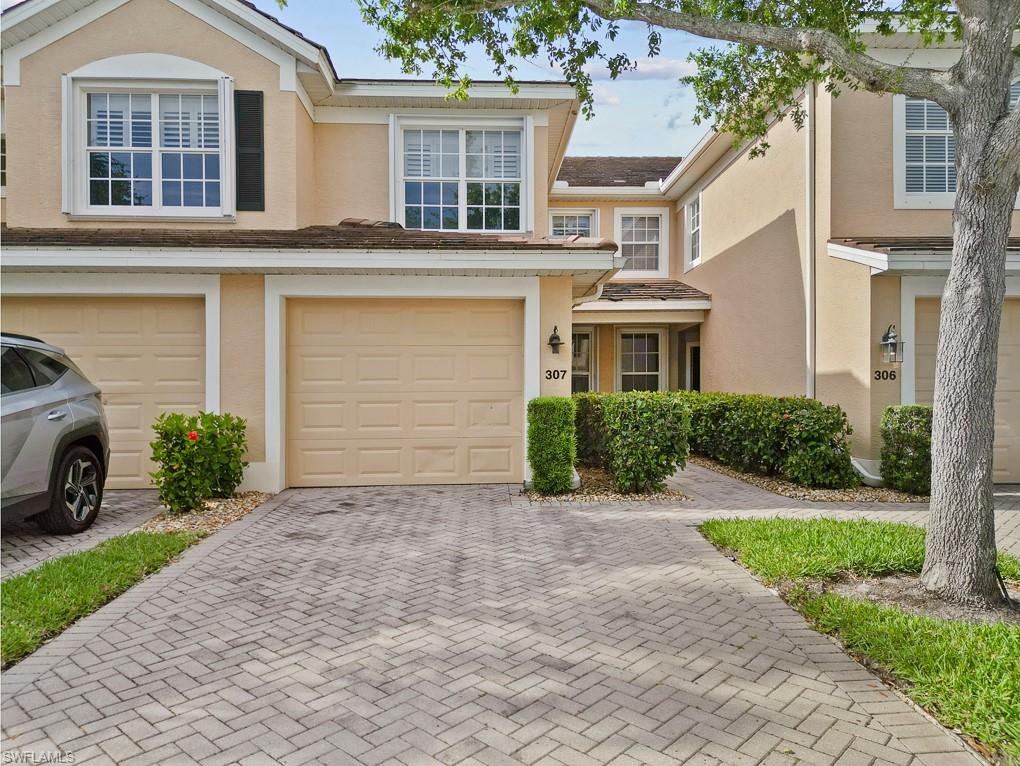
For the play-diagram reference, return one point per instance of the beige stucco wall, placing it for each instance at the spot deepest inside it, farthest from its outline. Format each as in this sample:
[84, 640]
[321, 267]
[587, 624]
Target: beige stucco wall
[351, 172]
[862, 170]
[242, 355]
[605, 352]
[33, 117]
[752, 245]
[305, 165]
[885, 310]
[555, 308]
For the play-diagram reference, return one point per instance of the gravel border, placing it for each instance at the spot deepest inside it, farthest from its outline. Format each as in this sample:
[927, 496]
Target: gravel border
[861, 494]
[214, 516]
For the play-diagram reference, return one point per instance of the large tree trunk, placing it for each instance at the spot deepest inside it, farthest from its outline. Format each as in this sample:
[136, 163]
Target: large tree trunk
[960, 559]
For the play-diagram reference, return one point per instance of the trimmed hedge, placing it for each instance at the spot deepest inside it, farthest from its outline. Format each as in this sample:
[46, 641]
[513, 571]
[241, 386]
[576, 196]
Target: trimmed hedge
[591, 432]
[646, 438]
[906, 447]
[551, 443]
[800, 439]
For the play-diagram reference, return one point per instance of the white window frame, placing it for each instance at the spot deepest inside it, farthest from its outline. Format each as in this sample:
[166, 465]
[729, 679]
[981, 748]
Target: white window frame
[526, 126]
[590, 211]
[146, 74]
[902, 199]
[664, 214]
[588, 330]
[663, 354]
[689, 231]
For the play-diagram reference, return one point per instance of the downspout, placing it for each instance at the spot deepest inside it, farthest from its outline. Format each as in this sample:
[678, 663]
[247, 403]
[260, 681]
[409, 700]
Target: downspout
[809, 240]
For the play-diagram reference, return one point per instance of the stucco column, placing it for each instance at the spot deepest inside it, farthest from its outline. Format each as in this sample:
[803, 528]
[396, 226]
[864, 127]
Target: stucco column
[242, 355]
[555, 312]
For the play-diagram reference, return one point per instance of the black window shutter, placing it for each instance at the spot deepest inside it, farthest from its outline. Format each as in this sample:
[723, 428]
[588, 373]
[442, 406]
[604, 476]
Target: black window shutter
[250, 140]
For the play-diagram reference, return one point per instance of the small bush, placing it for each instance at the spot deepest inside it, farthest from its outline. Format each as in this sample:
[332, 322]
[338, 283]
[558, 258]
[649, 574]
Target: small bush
[646, 438]
[906, 447]
[591, 431]
[551, 443]
[199, 456]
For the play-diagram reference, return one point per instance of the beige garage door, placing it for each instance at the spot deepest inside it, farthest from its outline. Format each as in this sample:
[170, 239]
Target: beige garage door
[146, 354]
[393, 391]
[1006, 461]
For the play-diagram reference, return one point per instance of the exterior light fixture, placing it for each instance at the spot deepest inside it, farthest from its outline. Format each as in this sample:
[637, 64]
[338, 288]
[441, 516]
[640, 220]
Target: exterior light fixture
[892, 347]
[555, 341]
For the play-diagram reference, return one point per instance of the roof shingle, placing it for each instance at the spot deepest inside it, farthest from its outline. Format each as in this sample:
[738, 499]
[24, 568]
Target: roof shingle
[615, 171]
[652, 290]
[890, 245]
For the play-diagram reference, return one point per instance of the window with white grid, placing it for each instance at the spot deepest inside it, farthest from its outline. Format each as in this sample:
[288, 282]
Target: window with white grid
[640, 360]
[640, 242]
[153, 151]
[462, 178]
[930, 151]
[694, 222]
[573, 224]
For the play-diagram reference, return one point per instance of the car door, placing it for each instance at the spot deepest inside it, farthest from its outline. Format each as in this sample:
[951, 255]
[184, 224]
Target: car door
[33, 417]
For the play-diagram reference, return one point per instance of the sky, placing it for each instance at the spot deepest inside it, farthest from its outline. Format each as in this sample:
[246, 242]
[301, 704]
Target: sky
[645, 112]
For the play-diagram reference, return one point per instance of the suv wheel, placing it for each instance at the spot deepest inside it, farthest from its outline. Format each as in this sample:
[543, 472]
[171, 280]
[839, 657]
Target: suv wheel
[77, 493]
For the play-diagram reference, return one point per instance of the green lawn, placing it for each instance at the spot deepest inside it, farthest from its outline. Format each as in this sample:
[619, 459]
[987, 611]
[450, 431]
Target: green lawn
[45, 601]
[776, 549]
[965, 673]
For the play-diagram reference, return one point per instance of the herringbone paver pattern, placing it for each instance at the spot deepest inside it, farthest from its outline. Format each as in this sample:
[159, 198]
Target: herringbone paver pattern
[455, 625]
[24, 545]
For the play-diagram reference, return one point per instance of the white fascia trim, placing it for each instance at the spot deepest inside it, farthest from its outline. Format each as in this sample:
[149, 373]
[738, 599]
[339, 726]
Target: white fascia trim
[680, 304]
[361, 115]
[537, 261]
[912, 288]
[608, 192]
[397, 89]
[877, 262]
[13, 56]
[279, 288]
[666, 214]
[206, 286]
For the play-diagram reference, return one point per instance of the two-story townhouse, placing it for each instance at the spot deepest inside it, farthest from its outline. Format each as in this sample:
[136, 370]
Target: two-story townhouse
[822, 262]
[196, 204]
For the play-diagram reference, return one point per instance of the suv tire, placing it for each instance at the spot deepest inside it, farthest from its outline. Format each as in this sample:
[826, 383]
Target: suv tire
[77, 493]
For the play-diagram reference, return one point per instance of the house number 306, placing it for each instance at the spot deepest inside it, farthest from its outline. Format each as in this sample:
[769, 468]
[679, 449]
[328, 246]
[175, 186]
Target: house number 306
[555, 374]
[885, 374]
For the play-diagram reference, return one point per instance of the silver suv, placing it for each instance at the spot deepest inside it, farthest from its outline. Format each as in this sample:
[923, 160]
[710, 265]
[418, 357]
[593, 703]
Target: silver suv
[55, 441]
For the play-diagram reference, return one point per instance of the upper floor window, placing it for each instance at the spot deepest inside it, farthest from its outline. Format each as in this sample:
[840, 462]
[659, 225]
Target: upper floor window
[694, 231]
[580, 223]
[153, 151]
[924, 153]
[462, 178]
[643, 236]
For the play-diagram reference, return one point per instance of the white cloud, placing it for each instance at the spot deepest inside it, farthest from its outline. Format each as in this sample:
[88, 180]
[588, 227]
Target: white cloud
[648, 69]
[604, 95]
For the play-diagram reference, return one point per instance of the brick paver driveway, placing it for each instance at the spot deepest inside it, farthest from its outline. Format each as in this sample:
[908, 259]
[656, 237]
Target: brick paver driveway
[451, 625]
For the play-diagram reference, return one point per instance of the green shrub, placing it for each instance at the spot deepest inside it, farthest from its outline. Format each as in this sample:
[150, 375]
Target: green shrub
[199, 456]
[646, 438]
[591, 431]
[906, 447]
[800, 439]
[551, 443]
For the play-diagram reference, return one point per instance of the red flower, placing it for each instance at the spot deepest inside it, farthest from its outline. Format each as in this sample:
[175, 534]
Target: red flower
[193, 436]
[786, 416]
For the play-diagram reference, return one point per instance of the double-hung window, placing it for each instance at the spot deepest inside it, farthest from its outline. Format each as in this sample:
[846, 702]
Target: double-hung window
[694, 232]
[574, 223]
[468, 179]
[643, 236]
[641, 360]
[157, 152]
[582, 372]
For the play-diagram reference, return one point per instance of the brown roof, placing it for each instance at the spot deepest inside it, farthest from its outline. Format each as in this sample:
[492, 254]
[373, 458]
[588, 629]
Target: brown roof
[890, 245]
[615, 171]
[349, 234]
[659, 289]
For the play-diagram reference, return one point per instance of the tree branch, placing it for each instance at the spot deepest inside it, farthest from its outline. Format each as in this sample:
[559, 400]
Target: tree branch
[874, 75]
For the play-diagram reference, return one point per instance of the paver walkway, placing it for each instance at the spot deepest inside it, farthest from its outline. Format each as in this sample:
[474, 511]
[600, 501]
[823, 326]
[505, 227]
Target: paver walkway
[24, 545]
[457, 625]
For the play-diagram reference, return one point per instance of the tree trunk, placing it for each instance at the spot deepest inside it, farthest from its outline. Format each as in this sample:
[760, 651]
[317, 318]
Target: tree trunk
[960, 559]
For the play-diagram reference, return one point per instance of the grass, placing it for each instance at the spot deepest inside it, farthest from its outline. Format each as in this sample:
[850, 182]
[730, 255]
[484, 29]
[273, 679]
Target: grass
[964, 673]
[792, 549]
[45, 601]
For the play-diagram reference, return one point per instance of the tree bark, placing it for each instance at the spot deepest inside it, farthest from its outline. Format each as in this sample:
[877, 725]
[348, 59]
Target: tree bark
[960, 558]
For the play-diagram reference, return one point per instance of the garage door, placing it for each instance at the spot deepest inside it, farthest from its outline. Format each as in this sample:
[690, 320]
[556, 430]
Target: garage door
[393, 391]
[146, 354]
[1006, 460]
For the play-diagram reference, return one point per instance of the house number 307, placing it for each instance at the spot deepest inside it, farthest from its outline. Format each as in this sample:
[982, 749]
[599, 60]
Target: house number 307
[555, 374]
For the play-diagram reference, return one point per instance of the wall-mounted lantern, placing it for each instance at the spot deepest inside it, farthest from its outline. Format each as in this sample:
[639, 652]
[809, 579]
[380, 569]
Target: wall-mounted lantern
[555, 341]
[891, 345]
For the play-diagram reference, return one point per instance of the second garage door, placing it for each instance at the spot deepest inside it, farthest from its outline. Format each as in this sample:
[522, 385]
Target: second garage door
[1006, 458]
[394, 391]
[146, 354]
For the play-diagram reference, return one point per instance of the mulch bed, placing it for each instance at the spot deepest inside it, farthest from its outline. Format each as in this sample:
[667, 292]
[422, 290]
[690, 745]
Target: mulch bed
[597, 487]
[861, 494]
[217, 514]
